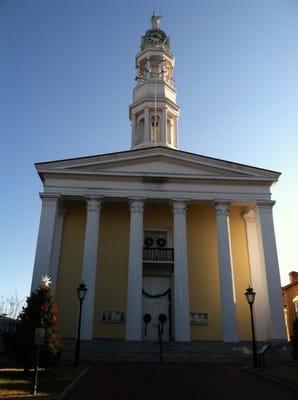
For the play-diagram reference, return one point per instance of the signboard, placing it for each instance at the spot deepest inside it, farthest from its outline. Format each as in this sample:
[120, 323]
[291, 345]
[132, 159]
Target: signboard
[199, 318]
[116, 317]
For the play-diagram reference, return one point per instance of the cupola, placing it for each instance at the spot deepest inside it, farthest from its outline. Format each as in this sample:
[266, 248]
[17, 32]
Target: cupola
[154, 112]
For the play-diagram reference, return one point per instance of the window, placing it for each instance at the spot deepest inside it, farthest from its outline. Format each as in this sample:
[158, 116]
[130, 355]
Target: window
[155, 129]
[169, 131]
[156, 239]
[295, 301]
[140, 132]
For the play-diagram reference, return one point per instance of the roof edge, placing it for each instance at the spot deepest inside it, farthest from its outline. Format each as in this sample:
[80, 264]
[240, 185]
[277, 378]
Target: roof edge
[157, 147]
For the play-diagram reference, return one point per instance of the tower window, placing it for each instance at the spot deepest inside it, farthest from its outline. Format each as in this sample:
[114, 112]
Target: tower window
[169, 131]
[140, 132]
[155, 129]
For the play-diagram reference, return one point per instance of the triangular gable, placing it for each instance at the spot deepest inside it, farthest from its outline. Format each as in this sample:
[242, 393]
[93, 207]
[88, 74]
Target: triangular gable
[156, 161]
[155, 165]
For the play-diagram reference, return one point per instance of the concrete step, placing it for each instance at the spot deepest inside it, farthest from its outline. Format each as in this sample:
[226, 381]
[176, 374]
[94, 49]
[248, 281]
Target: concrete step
[113, 350]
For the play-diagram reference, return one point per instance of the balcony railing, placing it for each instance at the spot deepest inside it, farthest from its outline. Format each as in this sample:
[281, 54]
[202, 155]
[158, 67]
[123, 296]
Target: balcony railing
[158, 254]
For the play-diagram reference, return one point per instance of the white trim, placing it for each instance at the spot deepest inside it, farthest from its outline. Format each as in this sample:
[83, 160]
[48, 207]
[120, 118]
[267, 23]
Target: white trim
[114, 189]
[176, 176]
[154, 152]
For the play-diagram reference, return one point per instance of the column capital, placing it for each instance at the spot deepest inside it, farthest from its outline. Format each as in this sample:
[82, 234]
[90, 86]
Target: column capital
[50, 199]
[94, 203]
[265, 205]
[136, 205]
[179, 206]
[249, 215]
[222, 208]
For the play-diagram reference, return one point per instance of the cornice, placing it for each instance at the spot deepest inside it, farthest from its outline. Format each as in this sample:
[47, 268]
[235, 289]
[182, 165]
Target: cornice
[155, 50]
[162, 177]
[160, 101]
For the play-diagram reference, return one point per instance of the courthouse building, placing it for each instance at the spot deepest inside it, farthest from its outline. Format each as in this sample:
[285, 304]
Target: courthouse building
[159, 235]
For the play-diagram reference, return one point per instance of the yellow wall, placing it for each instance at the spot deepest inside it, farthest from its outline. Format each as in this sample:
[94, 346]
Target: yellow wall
[69, 274]
[203, 270]
[111, 278]
[241, 270]
[158, 217]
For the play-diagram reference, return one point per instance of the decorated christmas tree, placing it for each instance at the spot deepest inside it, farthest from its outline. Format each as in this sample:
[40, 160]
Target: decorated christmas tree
[40, 312]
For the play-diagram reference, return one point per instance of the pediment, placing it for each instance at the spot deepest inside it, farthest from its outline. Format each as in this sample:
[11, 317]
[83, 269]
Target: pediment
[160, 162]
[155, 165]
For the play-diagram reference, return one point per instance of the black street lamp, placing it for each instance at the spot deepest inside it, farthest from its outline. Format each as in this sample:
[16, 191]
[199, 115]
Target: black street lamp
[250, 297]
[81, 292]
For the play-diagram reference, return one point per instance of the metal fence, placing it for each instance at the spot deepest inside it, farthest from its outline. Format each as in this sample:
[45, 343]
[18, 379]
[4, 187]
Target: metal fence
[158, 254]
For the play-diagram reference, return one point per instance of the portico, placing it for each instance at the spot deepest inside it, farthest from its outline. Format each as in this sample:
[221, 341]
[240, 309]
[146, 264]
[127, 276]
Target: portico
[54, 210]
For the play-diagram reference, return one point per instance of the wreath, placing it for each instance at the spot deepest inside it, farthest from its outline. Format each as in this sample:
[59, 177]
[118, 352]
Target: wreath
[161, 242]
[147, 318]
[149, 241]
[162, 318]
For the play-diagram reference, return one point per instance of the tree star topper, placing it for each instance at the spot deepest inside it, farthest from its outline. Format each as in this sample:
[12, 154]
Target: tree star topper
[45, 281]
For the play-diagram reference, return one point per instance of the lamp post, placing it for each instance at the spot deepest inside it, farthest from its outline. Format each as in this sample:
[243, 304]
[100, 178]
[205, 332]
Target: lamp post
[250, 297]
[81, 292]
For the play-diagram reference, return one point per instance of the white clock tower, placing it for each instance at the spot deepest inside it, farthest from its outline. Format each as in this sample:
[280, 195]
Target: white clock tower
[154, 111]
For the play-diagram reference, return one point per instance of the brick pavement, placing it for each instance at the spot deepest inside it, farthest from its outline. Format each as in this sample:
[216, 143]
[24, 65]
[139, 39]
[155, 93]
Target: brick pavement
[142, 381]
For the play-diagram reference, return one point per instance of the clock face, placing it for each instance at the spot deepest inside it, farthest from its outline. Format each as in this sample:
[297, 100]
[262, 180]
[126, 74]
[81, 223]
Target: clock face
[156, 36]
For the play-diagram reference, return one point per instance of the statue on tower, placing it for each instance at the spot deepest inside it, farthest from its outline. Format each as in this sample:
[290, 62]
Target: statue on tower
[155, 20]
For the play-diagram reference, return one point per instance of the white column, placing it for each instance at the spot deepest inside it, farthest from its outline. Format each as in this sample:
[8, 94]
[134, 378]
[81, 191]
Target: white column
[277, 323]
[164, 126]
[56, 248]
[133, 129]
[175, 134]
[135, 274]
[89, 265]
[148, 68]
[227, 293]
[147, 126]
[181, 296]
[258, 275]
[45, 241]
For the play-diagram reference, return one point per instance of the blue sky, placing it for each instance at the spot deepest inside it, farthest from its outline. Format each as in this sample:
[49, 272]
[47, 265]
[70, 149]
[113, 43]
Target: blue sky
[66, 80]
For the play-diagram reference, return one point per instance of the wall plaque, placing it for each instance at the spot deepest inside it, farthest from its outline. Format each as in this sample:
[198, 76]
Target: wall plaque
[114, 317]
[199, 318]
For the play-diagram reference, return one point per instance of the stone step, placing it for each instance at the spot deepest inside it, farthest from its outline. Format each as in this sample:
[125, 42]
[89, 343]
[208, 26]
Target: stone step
[112, 350]
[155, 357]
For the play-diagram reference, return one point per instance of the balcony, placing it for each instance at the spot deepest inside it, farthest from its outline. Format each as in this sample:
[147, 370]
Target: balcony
[157, 254]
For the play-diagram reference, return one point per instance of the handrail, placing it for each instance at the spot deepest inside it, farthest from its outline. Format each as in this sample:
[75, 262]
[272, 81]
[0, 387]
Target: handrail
[158, 254]
[160, 343]
[261, 355]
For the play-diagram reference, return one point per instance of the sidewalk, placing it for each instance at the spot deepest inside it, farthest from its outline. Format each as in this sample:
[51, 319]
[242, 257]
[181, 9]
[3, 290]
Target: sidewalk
[135, 381]
[285, 374]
